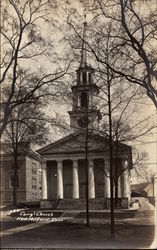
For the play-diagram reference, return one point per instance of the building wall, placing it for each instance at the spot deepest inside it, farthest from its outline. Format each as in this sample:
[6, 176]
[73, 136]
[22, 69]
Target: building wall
[33, 188]
[25, 191]
[6, 190]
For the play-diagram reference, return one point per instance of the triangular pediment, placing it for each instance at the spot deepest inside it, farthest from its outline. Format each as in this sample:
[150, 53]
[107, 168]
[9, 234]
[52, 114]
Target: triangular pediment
[75, 142]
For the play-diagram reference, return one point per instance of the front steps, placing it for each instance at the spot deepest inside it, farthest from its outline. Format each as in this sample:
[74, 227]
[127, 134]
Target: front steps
[80, 204]
[74, 204]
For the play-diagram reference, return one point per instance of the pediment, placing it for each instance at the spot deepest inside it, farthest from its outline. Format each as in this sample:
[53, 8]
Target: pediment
[75, 142]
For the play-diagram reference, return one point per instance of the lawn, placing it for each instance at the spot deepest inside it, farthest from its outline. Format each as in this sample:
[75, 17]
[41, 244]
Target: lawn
[132, 233]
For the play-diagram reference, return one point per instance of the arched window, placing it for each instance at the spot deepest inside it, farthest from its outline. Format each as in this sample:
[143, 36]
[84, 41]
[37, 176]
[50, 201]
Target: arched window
[84, 100]
[84, 78]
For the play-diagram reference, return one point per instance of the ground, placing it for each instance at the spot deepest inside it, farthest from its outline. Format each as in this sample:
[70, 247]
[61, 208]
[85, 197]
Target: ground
[133, 230]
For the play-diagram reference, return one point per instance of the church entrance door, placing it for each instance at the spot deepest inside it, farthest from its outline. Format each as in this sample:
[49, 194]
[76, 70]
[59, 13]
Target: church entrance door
[67, 179]
[83, 190]
[68, 191]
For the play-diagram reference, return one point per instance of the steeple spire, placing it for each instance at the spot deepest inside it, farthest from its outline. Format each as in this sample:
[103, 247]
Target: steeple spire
[84, 93]
[83, 51]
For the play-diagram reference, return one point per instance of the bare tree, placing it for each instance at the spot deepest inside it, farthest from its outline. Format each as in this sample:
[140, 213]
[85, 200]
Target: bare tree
[26, 124]
[23, 46]
[141, 32]
[134, 33]
[141, 171]
[137, 42]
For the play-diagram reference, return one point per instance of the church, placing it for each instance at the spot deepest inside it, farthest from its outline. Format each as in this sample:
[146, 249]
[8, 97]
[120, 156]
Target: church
[65, 174]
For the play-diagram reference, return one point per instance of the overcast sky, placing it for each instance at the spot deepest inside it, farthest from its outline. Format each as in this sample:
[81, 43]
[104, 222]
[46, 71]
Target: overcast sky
[149, 143]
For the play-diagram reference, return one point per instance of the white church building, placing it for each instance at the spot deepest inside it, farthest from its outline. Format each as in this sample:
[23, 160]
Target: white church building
[64, 168]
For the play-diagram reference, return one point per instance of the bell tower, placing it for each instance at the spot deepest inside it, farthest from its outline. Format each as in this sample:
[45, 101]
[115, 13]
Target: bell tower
[84, 111]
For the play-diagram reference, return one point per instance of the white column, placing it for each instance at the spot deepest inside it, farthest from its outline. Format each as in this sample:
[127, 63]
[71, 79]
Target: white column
[91, 182]
[59, 180]
[125, 180]
[75, 180]
[44, 181]
[107, 179]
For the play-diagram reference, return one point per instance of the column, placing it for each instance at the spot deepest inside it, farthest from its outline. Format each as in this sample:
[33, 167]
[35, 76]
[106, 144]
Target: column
[75, 180]
[91, 183]
[44, 181]
[107, 179]
[59, 180]
[125, 181]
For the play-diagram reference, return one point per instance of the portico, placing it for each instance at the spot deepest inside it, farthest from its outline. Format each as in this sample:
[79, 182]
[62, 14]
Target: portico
[66, 179]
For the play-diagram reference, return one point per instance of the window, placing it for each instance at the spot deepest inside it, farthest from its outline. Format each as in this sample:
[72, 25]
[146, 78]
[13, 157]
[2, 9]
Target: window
[84, 77]
[34, 183]
[34, 168]
[89, 76]
[84, 99]
[12, 181]
[83, 122]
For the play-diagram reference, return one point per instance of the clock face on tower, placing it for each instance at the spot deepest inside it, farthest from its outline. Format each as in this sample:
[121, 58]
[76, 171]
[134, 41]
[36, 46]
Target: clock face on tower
[83, 122]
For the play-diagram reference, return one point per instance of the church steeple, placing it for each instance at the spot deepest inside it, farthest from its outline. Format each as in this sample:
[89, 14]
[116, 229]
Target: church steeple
[83, 62]
[84, 93]
[85, 71]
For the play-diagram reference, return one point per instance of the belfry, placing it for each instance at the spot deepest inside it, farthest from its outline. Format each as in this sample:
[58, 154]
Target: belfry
[84, 95]
[64, 161]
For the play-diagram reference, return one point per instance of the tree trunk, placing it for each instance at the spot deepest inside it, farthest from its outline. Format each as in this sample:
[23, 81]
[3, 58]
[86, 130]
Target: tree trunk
[116, 192]
[111, 160]
[111, 195]
[15, 179]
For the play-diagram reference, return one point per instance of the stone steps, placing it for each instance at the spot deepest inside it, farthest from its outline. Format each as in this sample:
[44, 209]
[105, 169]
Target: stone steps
[73, 204]
[80, 204]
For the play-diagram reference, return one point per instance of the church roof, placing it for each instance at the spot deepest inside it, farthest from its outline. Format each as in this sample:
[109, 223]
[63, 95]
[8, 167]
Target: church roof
[76, 142]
